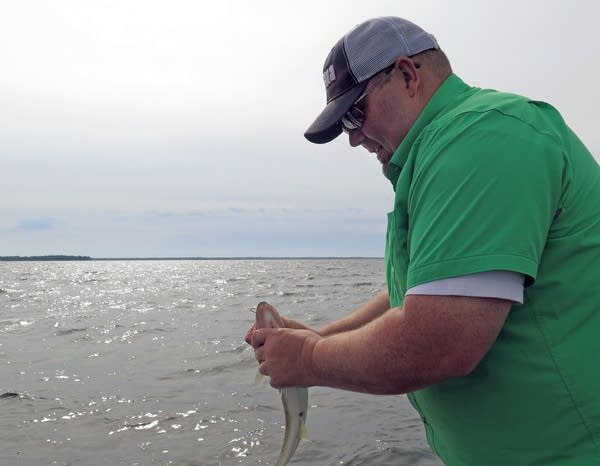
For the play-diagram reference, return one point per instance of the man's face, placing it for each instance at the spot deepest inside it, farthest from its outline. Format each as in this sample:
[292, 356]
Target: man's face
[389, 112]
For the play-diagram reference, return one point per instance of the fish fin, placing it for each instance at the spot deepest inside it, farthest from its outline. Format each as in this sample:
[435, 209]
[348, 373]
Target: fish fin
[259, 378]
[304, 431]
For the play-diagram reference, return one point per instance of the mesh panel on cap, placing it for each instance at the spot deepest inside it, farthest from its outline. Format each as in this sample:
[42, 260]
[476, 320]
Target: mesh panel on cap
[375, 44]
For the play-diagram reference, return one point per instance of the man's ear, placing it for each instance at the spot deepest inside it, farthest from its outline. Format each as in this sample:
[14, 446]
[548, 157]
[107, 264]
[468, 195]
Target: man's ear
[408, 69]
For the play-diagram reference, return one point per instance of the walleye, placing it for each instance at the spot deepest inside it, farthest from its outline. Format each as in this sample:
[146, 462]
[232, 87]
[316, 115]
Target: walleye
[294, 399]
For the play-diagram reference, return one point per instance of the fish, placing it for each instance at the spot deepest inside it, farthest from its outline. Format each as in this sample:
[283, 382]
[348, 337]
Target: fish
[294, 399]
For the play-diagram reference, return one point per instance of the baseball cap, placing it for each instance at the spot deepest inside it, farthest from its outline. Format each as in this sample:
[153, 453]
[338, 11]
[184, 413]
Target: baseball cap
[363, 52]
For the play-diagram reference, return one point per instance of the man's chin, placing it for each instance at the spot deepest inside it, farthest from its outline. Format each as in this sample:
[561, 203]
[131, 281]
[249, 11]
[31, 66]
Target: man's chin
[384, 168]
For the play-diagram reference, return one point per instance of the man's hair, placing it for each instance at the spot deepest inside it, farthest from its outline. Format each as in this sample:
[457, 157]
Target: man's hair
[433, 60]
[436, 61]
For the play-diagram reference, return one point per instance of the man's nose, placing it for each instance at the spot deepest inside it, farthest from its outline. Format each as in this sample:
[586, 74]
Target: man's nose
[356, 137]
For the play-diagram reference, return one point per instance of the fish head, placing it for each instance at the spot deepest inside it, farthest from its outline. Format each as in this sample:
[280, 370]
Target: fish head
[267, 316]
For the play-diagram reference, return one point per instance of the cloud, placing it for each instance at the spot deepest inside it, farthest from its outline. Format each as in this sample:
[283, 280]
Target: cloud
[36, 224]
[282, 217]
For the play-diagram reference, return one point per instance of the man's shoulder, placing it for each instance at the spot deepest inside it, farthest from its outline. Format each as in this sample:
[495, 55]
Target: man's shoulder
[481, 114]
[489, 103]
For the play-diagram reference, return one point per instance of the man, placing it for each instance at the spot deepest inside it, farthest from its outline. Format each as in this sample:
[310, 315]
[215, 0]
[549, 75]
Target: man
[491, 320]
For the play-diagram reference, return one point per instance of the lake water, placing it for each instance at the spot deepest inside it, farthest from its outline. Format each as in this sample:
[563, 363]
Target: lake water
[144, 363]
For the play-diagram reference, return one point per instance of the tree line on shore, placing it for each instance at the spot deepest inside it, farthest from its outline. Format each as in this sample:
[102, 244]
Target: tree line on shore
[56, 257]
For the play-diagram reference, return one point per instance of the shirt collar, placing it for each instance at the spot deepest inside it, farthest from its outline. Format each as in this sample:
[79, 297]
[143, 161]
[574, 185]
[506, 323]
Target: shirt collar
[448, 91]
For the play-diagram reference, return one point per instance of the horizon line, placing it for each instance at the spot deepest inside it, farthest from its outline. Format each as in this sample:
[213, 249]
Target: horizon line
[65, 257]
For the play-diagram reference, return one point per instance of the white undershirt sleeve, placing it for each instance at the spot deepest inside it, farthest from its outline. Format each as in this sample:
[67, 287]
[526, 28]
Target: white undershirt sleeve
[502, 284]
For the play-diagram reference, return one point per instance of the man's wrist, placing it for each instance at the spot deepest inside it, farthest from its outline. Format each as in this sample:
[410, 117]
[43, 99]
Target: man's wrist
[312, 355]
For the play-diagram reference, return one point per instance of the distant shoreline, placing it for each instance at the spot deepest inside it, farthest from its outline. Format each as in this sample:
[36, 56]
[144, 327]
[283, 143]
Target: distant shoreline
[53, 257]
[88, 258]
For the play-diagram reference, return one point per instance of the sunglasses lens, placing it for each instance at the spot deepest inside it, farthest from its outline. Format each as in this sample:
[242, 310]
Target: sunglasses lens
[353, 119]
[357, 114]
[347, 125]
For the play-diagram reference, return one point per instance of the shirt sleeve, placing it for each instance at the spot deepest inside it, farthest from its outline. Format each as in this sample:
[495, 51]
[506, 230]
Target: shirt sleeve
[499, 284]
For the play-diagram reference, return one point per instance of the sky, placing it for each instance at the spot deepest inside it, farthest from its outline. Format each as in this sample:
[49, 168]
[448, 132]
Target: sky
[175, 128]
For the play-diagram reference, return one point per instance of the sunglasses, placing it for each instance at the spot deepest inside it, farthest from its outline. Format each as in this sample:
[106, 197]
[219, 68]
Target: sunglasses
[354, 118]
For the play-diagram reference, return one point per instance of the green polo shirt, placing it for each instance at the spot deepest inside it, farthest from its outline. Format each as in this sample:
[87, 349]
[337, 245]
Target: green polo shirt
[493, 181]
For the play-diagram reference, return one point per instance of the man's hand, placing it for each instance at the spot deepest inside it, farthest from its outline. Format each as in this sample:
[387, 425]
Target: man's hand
[285, 355]
[288, 323]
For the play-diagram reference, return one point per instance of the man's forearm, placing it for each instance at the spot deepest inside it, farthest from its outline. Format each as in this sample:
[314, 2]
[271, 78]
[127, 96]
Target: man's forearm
[429, 340]
[368, 312]
[367, 359]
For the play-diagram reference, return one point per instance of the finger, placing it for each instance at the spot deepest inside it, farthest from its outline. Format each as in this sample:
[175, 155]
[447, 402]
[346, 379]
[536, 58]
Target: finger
[274, 385]
[251, 330]
[259, 354]
[262, 368]
[257, 338]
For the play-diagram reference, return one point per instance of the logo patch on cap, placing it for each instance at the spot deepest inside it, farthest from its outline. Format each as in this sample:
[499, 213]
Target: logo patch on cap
[329, 76]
